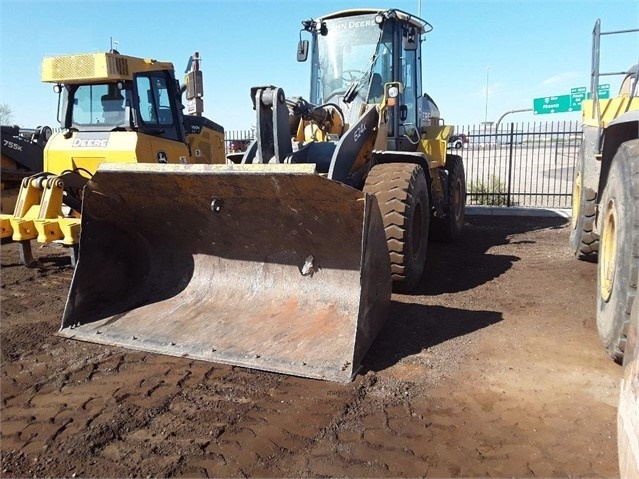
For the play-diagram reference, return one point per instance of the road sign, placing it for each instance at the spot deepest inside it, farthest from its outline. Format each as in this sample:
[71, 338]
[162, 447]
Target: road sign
[568, 103]
[603, 91]
[577, 95]
[552, 104]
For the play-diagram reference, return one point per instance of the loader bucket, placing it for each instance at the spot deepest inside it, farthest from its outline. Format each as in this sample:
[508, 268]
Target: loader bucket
[271, 267]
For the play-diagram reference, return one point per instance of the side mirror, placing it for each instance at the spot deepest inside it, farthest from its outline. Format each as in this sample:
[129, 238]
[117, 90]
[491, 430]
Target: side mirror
[302, 50]
[409, 39]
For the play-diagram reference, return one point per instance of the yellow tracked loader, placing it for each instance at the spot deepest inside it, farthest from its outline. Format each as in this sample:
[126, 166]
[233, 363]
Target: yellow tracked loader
[286, 261]
[114, 108]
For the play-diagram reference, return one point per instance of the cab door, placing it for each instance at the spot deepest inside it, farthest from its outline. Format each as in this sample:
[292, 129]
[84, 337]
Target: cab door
[159, 121]
[410, 76]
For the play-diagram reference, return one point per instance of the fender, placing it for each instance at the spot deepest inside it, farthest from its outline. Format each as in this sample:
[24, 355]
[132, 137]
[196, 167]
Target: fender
[620, 130]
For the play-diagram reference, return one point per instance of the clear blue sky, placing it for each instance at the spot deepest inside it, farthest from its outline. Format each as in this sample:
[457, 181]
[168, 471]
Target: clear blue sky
[516, 50]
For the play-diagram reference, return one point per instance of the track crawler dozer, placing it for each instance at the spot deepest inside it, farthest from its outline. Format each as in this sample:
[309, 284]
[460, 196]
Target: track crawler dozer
[285, 262]
[114, 109]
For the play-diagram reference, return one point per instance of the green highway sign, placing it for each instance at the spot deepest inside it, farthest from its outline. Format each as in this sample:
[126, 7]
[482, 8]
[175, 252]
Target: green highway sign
[603, 91]
[568, 103]
[577, 95]
[552, 104]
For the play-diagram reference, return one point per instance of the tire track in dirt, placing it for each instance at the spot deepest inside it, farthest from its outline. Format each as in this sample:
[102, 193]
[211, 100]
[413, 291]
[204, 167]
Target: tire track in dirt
[483, 374]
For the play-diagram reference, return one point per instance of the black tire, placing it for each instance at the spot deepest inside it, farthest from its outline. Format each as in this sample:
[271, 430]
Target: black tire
[449, 227]
[619, 249]
[402, 195]
[584, 241]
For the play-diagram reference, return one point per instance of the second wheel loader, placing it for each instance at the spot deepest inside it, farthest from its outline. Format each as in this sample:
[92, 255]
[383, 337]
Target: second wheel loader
[285, 262]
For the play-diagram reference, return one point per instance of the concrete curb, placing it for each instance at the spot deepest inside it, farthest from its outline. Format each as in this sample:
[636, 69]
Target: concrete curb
[518, 211]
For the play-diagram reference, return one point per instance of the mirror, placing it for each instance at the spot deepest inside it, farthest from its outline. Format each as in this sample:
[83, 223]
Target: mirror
[409, 39]
[302, 50]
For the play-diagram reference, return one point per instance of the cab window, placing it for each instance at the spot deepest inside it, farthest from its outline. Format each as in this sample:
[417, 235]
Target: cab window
[98, 105]
[155, 106]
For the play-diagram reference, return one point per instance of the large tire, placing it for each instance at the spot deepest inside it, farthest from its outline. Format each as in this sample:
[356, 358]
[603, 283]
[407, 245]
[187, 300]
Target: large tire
[449, 227]
[619, 249]
[584, 241]
[627, 417]
[402, 195]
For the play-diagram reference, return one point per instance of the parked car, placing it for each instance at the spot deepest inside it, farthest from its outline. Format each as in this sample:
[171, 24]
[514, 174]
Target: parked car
[236, 149]
[237, 146]
[457, 141]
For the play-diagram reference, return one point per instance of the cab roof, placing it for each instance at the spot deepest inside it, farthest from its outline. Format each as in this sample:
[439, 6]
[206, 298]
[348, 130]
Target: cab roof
[421, 24]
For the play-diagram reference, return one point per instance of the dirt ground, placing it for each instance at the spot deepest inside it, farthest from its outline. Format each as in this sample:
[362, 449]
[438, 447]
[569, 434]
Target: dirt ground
[493, 370]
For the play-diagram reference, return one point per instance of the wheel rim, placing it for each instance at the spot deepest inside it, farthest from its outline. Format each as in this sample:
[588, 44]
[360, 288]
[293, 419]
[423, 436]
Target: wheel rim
[576, 201]
[607, 261]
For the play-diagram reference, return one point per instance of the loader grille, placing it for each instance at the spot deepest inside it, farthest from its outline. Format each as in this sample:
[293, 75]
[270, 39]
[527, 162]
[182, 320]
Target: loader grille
[117, 66]
[72, 67]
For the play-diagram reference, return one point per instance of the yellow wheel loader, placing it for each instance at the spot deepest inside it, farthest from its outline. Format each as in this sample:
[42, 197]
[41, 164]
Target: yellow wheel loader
[286, 261]
[605, 228]
[114, 109]
[605, 209]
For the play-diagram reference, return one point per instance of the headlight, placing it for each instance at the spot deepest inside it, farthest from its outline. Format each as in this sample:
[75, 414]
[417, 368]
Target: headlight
[393, 92]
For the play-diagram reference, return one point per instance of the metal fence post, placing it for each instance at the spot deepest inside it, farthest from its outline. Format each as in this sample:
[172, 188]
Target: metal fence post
[510, 162]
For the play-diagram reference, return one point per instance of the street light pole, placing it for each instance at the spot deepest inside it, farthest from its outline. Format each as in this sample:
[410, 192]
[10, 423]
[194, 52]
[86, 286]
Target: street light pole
[486, 112]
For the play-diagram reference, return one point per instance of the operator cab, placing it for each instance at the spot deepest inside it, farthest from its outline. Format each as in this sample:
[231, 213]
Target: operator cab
[355, 53]
[149, 103]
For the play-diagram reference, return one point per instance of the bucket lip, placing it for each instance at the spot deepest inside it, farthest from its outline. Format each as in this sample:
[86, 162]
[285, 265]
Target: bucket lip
[189, 169]
[324, 372]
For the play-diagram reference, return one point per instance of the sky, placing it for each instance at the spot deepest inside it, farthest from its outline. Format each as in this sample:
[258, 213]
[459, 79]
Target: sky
[483, 59]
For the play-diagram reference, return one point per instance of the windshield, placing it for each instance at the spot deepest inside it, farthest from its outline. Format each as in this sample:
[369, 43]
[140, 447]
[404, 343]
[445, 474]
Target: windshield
[347, 56]
[98, 105]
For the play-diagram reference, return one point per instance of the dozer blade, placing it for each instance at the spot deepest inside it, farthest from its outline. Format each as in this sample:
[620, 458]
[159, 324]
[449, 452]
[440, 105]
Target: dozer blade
[271, 267]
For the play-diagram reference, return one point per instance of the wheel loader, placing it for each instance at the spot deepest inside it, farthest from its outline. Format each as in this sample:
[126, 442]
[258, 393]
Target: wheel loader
[286, 261]
[113, 108]
[605, 227]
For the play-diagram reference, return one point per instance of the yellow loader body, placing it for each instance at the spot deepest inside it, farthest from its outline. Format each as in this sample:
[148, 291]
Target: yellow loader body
[271, 267]
[88, 150]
